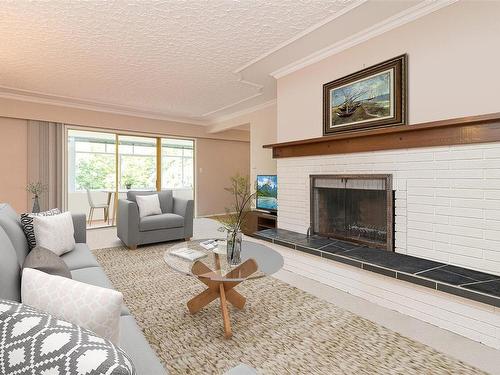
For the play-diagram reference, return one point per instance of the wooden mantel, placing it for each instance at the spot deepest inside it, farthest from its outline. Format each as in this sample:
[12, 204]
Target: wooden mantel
[458, 131]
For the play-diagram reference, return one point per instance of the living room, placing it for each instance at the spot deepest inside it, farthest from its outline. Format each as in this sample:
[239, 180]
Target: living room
[250, 187]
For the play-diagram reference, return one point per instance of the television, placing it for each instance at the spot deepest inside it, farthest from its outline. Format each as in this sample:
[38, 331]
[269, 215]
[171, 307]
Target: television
[267, 193]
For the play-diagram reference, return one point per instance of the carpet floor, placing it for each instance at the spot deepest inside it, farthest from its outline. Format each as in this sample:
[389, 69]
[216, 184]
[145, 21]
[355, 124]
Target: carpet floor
[281, 330]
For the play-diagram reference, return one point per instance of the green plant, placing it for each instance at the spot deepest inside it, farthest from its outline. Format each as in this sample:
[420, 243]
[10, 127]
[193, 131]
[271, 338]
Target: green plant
[235, 215]
[128, 180]
[36, 188]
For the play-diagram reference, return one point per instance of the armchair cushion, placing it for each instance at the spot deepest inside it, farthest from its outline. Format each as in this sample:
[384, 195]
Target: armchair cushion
[165, 197]
[148, 205]
[163, 221]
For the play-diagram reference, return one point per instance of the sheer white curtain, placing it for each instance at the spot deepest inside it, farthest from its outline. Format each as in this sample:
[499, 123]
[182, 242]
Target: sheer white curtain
[45, 161]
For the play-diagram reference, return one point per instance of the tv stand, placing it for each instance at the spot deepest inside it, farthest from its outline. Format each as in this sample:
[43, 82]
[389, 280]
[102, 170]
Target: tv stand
[259, 220]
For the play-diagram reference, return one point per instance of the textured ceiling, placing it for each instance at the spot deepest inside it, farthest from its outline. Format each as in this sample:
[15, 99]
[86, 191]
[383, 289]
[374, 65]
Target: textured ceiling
[170, 57]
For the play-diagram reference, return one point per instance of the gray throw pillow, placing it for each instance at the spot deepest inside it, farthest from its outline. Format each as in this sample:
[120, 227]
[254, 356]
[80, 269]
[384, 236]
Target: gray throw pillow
[34, 342]
[44, 260]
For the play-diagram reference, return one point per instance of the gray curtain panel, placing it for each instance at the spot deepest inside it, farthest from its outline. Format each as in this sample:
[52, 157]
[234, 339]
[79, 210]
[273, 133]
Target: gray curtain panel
[45, 154]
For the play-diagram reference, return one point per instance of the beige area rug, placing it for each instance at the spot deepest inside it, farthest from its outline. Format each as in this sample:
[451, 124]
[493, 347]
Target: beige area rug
[281, 330]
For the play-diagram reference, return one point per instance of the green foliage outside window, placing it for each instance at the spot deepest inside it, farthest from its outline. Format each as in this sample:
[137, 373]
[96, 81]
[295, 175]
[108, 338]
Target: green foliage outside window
[95, 172]
[138, 171]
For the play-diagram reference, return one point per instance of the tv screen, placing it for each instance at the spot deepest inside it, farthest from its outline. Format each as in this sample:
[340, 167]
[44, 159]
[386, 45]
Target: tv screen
[267, 192]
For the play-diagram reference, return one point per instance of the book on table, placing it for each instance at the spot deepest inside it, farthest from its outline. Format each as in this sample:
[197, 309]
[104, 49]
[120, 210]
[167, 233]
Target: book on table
[209, 244]
[188, 254]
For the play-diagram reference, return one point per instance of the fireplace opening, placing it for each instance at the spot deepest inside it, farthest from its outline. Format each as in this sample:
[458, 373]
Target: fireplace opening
[357, 208]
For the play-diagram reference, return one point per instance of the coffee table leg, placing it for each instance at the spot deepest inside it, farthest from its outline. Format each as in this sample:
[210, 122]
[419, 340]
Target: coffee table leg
[225, 312]
[198, 302]
[222, 289]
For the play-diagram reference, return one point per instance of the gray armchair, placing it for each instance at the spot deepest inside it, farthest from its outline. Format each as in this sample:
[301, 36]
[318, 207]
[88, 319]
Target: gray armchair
[175, 222]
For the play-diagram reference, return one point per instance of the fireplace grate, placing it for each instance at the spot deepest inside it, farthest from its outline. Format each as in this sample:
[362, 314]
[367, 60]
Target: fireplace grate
[356, 208]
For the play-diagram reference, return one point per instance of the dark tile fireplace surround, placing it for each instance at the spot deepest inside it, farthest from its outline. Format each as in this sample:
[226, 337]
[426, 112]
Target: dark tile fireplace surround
[352, 222]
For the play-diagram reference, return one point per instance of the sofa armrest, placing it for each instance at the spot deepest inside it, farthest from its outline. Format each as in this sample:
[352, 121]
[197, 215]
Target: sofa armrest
[128, 222]
[185, 208]
[80, 227]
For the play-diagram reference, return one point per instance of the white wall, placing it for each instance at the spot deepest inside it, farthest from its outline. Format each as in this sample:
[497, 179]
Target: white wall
[262, 131]
[453, 69]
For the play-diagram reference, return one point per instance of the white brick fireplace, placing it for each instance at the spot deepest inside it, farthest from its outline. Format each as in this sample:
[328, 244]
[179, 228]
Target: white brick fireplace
[447, 199]
[447, 208]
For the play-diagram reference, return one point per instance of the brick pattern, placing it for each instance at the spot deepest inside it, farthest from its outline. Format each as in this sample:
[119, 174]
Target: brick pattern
[447, 199]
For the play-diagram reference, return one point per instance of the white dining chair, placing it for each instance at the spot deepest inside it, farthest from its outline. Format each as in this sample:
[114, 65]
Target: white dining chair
[93, 206]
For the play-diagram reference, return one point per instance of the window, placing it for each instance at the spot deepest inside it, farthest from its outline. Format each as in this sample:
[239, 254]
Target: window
[92, 163]
[137, 160]
[177, 166]
[91, 160]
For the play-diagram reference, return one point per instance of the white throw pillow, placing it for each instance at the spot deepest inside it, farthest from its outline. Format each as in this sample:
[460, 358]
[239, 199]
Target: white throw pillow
[92, 307]
[55, 233]
[148, 205]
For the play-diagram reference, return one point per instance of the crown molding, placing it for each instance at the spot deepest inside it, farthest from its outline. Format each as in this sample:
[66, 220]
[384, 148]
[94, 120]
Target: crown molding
[345, 10]
[232, 104]
[69, 102]
[411, 14]
[243, 112]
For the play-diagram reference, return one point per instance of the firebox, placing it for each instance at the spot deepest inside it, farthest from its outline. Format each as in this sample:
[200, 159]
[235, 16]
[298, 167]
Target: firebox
[357, 208]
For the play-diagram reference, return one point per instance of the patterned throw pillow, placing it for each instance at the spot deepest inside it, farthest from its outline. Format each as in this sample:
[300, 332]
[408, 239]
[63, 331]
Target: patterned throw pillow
[89, 306]
[27, 224]
[33, 342]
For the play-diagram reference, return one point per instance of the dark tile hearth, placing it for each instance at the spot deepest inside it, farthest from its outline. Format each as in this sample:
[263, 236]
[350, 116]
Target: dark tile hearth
[440, 274]
[471, 274]
[314, 242]
[457, 275]
[341, 246]
[395, 261]
[463, 282]
[488, 287]
[334, 249]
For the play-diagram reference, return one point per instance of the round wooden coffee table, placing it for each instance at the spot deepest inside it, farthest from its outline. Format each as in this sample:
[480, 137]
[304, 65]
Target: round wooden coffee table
[220, 277]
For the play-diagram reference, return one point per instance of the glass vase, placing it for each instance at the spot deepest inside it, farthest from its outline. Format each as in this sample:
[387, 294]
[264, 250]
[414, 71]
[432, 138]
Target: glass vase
[36, 205]
[234, 247]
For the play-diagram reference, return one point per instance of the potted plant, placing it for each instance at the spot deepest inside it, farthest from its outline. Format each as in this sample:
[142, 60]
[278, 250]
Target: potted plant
[128, 181]
[235, 216]
[37, 189]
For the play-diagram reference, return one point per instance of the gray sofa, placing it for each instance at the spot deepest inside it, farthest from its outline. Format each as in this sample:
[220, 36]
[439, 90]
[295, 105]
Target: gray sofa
[84, 267]
[175, 222]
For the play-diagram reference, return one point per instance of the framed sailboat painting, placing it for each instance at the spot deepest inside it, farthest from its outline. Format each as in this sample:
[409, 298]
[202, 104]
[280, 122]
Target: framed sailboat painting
[371, 98]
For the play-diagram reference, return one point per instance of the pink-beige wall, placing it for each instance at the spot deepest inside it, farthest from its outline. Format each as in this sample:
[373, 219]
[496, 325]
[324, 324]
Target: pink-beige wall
[453, 69]
[219, 155]
[102, 120]
[13, 162]
[216, 162]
